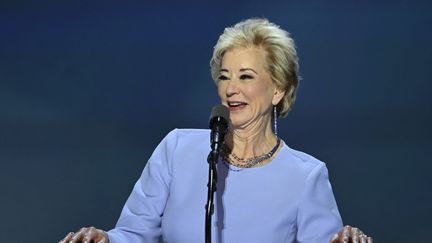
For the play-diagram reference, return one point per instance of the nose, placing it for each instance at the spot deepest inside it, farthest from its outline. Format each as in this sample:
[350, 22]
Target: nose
[232, 88]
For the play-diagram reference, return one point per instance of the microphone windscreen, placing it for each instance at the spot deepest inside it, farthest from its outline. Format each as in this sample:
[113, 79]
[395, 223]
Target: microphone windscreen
[220, 111]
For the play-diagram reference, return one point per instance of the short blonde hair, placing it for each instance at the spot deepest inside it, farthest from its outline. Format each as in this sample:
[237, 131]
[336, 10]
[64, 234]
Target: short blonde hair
[281, 55]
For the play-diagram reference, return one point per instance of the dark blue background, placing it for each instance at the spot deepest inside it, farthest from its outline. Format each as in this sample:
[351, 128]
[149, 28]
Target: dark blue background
[87, 90]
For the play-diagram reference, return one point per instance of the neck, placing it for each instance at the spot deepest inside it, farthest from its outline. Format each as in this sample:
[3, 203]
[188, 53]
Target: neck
[253, 140]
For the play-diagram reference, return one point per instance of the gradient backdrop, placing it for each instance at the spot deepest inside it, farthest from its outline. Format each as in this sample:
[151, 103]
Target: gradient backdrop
[87, 90]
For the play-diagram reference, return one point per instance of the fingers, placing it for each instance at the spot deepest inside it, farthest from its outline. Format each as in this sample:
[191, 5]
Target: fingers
[67, 237]
[363, 238]
[86, 235]
[95, 235]
[91, 234]
[77, 237]
[345, 234]
[104, 240]
[335, 238]
[355, 235]
[352, 235]
[342, 236]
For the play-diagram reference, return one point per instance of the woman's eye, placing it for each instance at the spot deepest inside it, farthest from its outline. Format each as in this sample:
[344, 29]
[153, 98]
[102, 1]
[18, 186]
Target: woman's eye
[223, 77]
[246, 76]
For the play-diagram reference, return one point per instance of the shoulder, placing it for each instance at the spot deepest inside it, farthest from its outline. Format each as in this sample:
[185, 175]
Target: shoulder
[180, 143]
[303, 157]
[180, 136]
[303, 162]
[188, 137]
[188, 133]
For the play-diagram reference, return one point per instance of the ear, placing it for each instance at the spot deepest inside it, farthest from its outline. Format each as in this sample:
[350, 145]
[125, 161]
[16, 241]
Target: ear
[277, 96]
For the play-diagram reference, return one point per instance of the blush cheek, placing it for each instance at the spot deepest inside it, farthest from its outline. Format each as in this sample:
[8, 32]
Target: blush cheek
[220, 90]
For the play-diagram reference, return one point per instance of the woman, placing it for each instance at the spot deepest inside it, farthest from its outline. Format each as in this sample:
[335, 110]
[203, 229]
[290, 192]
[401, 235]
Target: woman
[267, 192]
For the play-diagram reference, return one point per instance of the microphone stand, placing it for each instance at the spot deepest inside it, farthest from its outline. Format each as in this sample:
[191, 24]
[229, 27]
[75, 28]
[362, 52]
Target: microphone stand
[212, 182]
[219, 126]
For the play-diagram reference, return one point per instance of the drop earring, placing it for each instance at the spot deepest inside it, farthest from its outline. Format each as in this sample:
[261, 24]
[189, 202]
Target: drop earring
[275, 120]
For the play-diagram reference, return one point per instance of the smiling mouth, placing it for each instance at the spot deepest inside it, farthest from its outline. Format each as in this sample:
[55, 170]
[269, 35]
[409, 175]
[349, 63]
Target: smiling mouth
[233, 106]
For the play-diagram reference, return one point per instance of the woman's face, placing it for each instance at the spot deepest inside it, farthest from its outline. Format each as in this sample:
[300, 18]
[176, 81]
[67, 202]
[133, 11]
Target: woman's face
[246, 88]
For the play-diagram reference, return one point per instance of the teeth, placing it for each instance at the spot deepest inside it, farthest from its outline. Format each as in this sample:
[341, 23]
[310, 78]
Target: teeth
[236, 103]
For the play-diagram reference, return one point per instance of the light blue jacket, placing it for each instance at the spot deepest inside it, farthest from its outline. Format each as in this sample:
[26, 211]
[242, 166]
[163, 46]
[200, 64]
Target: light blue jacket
[287, 200]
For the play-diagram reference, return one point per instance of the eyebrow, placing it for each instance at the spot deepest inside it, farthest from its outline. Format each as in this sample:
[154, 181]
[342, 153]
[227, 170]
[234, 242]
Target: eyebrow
[246, 69]
[241, 70]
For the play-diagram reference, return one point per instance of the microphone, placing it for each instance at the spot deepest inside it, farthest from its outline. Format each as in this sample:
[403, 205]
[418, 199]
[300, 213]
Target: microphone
[219, 126]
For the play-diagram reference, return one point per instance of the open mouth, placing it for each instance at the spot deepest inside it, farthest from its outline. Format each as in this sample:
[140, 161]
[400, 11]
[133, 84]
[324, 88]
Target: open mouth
[236, 105]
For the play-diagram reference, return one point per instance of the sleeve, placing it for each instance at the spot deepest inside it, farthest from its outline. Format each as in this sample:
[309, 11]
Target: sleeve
[318, 217]
[140, 219]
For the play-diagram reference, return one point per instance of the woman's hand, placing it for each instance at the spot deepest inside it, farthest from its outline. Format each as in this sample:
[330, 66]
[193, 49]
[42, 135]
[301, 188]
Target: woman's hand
[351, 235]
[86, 235]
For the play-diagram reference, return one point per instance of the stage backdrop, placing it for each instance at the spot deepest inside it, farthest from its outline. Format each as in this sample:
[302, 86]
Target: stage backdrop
[87, 90]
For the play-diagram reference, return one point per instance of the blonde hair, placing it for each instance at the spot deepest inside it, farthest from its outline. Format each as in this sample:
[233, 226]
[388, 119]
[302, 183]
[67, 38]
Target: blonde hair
[281, 55]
